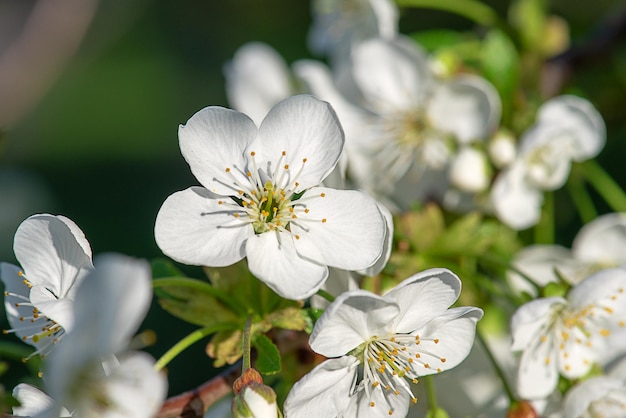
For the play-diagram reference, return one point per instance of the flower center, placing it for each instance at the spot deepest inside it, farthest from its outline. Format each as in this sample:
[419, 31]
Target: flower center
[388, 361]
[41, 331]
[269, 202]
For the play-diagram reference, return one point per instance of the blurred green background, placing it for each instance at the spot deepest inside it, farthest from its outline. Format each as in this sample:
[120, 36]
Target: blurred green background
[100, 145]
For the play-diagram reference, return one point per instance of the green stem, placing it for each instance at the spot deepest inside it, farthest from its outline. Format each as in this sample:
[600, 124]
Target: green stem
[544, 230]
[246, 364]
[432, 395]
[187, 341]
[581, 198]
[471, 9]
[326, 295]
[496, 366]
[610, 191]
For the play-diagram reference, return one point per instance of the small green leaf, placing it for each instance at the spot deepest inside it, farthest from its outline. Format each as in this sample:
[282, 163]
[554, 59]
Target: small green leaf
[501, 66]
[226, 347]
[268, 356]
[194, 301]
[162, 267]
[528, 17]
[435, 39]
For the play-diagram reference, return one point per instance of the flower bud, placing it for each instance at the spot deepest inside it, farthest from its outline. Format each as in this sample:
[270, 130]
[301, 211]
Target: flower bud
[469, 170]
[502, 149]
[252, 398]
[522, 409]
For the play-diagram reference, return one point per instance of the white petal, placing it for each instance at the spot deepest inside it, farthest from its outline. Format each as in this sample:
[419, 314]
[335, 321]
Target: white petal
[530, 319]
[14, 284]
[579, 120]
[423, 297]
[343, 228]
[579, 398]
[599, 287]
[469, 170]
[52, 252]
[134, 388]
[324, 391]
[258, 404]
[59, 310]
[305, 129]
[393, 75]
[273, 259]
[515, 201]
[32, 400]
[537, 374]
[110, 305]
[602, 241]
[575, 359]
[383, 406]
[388, 244]
[467, 107]
[353, 318]
[256, 79]
[193, 228]
[545, 152]
[448, 339]
[214, 139]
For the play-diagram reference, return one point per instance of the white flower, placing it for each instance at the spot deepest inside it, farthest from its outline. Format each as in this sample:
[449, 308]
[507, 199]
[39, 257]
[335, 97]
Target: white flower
[39, 296]
[567, 336]
[602, 396]
[598, 245]
[91, 373]
[256, 79]
[377, 342]
[469, 170]
[260, 198]
[567, 128]
[340, 24]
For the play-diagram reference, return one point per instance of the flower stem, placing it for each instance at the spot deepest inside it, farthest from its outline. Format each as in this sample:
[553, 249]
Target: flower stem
[612, 193]
[245, 365]
[581, 198]
[471, 9]
[187, 341]
[326, 295]
[432, 395]
[544, 230]
[496, 366]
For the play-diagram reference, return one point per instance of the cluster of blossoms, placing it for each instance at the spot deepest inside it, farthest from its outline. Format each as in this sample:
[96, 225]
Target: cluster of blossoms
[302, 182]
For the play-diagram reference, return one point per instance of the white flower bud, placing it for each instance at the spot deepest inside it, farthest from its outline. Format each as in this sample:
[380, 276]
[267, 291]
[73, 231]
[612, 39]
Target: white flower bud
[469, 170]
[502, 150]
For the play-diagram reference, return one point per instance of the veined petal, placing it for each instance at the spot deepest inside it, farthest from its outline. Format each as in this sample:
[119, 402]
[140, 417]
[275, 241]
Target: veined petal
[256, 79]
[387, 247]
[579, 398]
[574, 358]
[537, 375]
[515, 201]
[213, 140]
[353, 318]
[52, 252]
[393, 75]
[33, 401]
[273, 259]
[102, 327]
[308, 132]
[324, 391]
[343, 228]
[193, 228]
[530, 319]
[422, 297]
[606, 287]
[447, 340]
[473, 101]
[602, 241]
[377, 404]
[134, 388]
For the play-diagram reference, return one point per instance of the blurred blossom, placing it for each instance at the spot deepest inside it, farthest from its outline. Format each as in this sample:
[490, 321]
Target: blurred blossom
[262, 200]
[598, 245]
[567, 129]
[502, 149]
[566, 337]
[338, 25]
[91, 373]
[469, 170]
[55, 257]
[378, 344]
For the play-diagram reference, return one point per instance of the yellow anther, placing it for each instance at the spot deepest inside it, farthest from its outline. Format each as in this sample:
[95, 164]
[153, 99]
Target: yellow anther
[227, 170]
[605, 332]
[297, 236]
[417, 355]
[436, 340]
[304, 160]
[323, 220]
[286, 166]
[284, 153]
[426, 365]
[322, 194]
[443, 359]
[372, 404]
[252, 153]
[306, 210]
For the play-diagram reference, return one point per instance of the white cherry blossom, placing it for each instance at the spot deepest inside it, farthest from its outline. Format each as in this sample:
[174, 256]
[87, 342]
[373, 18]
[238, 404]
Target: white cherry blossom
[379, 345]
[559, 336]
[261, 198]
[39, 296]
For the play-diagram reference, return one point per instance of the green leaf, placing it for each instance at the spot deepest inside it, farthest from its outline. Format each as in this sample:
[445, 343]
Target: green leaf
[268, 356]
[194, 301]
[529, 19]
[501, 65]
[435, 39]
[292, 317]
[162, 267]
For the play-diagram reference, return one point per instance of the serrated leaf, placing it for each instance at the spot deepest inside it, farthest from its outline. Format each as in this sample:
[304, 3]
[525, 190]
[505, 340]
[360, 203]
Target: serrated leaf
[194, 301]
[268, 357]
